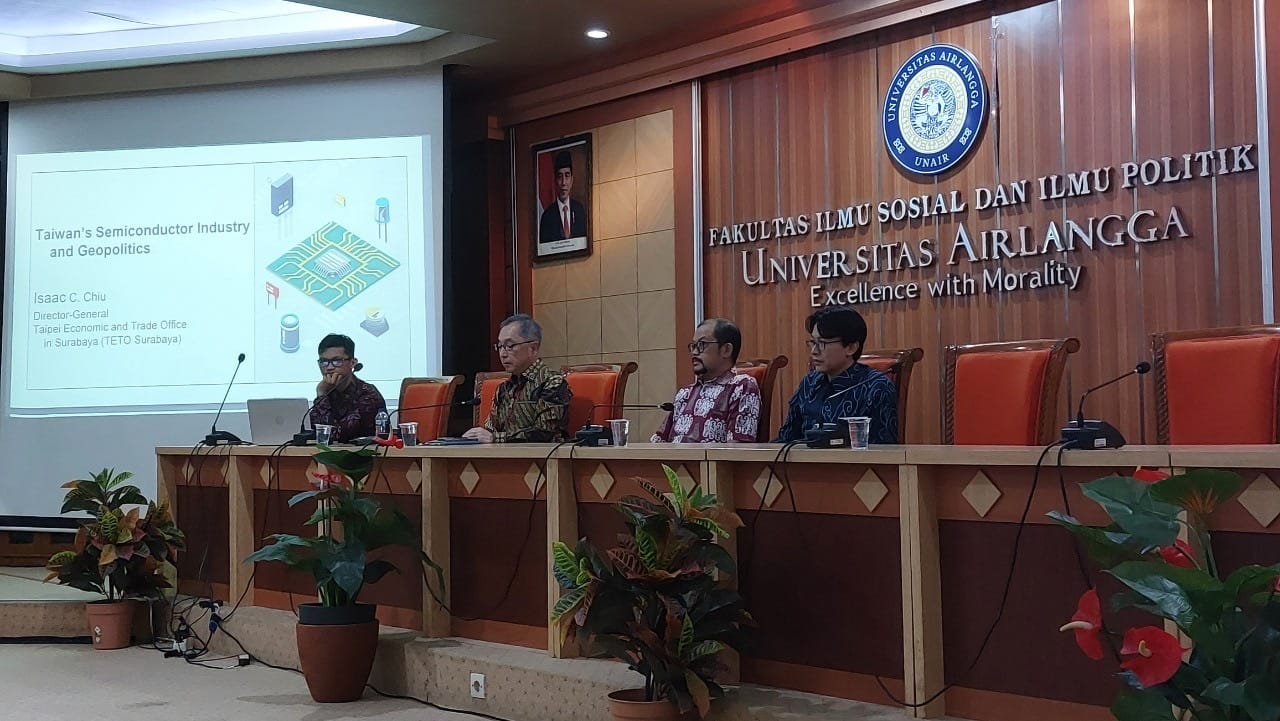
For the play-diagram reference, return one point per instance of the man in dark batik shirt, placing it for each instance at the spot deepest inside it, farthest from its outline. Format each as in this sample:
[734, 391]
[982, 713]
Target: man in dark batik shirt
[343, 401]
[533, 404]
[840, 386]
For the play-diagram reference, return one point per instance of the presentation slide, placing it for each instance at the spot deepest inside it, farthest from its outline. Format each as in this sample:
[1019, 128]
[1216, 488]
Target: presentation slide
[140, 275]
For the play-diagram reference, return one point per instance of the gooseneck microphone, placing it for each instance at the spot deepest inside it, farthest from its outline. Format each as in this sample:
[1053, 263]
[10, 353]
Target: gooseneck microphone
[597, 435]
[1141, 369]
[304, 436]
[217, 437]
[1090, 435]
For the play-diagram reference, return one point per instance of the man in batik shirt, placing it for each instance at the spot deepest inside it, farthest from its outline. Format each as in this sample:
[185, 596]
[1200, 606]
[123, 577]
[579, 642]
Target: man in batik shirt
[532, 406]
[722, 405]
[839, 386]
[343, 401]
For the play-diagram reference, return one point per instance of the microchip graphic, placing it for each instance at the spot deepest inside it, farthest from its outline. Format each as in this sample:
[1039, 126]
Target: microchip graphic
[333, 266]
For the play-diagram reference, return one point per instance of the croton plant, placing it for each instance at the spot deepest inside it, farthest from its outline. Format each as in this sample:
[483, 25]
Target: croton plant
[1216, 657]
[659, 601]
[119, 553]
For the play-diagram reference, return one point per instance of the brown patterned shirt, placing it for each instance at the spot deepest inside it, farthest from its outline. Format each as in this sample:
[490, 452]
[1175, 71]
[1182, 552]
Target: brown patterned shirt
[532, 407]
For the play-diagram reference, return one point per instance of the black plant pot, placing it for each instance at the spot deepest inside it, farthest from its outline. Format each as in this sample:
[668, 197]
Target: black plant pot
[315, 614]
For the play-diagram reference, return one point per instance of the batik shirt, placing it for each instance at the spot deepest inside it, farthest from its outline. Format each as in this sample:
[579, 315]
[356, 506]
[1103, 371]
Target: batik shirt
[352, 411]
[863, 391]
[531, 407]
[723, 409]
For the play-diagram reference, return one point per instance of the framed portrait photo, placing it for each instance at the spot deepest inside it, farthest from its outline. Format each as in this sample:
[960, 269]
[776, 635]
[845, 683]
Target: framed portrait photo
[562, 180]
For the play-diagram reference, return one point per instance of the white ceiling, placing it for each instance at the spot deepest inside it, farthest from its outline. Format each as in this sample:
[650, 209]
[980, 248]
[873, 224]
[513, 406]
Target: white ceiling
[64, 35]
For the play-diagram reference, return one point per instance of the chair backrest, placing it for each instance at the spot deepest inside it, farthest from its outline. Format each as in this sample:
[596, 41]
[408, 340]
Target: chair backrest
[1218, 385]
[418, 392]
[897, 364]
[487, 383]
[765, 371]
[1004, 393]
[602, 384]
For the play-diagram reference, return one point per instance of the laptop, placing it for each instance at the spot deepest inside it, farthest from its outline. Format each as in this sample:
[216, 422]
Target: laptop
[273, 421]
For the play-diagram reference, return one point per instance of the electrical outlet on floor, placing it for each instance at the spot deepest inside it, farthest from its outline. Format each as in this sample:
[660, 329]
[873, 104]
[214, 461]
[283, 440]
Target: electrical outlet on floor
[477, 685]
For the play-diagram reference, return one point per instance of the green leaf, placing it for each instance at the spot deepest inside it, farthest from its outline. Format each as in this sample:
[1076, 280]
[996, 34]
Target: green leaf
[1181, 595]
[647, 548]
[566, 565]
[1248, 580]
[1147, 705]
[686, 637]
[1199, 490]
[377, 569]
[1262, 698]
[677, 491]
[703, 649]
[300, 497]
[1226, 691]
[1107, 546]
[567, 604]
[347, 569]
[1129, 503]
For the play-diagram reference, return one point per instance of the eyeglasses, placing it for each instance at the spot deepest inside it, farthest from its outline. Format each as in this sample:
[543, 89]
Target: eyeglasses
[821, 344]
[701, 345]
[508, 347]
[331, 362]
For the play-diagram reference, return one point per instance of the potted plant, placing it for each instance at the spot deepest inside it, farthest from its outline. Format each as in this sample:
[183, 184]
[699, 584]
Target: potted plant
[657, 602]
[121, 554]
[338, 636]
[1158, 547]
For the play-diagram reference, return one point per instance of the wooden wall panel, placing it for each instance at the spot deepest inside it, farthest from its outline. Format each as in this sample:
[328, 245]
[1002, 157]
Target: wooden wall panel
[1075, 85]
[1235, 121]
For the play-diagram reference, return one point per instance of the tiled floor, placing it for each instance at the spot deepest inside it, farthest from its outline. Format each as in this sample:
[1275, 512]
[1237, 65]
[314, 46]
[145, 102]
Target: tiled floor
[26, 584]
[35, 683]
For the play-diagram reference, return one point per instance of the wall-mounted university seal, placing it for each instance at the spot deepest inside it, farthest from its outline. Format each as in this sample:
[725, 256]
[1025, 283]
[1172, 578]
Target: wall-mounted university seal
[934, 109]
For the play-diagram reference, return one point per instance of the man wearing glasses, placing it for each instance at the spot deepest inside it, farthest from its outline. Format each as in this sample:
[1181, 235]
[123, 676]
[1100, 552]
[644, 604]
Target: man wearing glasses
[343, 401]
[839, 386]
[722, 405]
[532, 405]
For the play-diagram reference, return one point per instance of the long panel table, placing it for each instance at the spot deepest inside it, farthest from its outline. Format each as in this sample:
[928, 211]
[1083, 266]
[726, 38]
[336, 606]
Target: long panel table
[874, 575]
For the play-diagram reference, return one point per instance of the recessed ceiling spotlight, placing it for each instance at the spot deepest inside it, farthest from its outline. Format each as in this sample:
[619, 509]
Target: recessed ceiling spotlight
[597, 34]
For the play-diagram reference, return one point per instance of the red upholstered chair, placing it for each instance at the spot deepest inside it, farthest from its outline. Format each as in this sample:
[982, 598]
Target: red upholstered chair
[897, 364]
[1218, 386]
[765, 371]
[487, 383]
[603, 384]
[418, 392]
[1004, 393]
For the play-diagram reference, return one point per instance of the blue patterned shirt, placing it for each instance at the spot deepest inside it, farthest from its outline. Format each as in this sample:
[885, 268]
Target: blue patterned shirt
[868, 392]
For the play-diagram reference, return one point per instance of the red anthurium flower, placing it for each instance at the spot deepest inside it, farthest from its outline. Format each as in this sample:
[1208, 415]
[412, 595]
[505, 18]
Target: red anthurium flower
[1150, 475]
[1154, 655]
[322, 480]
[1179, 554]
[1087, 624]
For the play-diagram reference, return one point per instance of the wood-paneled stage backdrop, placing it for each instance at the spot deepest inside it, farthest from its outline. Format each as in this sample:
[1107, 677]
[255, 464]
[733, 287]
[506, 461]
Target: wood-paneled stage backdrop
[1075, 85]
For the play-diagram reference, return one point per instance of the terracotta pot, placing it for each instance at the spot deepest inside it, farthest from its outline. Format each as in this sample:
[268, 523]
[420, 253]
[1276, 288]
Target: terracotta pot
[110, 623]
[337, 658]
[629, 705]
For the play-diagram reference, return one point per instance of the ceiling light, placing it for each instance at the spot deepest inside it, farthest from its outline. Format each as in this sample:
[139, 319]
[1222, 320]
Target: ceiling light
[597, 34]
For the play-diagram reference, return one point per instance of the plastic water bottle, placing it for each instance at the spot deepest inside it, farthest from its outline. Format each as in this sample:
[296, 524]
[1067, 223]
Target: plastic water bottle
[382, 424]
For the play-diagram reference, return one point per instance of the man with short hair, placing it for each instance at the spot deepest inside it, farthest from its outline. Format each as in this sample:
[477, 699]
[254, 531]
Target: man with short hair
[722, 405]
[343, 401]
[533, 404]
[839, 386]
[566, 217]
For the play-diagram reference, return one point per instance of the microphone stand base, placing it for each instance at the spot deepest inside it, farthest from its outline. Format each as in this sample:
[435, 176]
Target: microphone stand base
[223, 438]
[304, 438]
[593, 435]
[827, 435]
[1092, 436]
